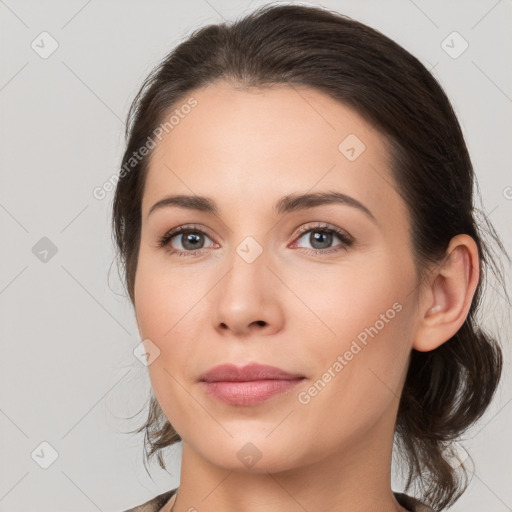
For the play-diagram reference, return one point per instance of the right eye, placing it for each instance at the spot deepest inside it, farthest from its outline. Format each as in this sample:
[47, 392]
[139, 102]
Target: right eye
[190, 238]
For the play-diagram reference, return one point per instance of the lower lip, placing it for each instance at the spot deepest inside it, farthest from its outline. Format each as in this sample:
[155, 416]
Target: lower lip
[249, 393]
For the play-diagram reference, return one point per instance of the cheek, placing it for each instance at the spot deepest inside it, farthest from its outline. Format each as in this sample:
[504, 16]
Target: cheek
[170, 313]
[358, 375]
[361, 358]
[162, 299]
[164, 308]
[360, 299]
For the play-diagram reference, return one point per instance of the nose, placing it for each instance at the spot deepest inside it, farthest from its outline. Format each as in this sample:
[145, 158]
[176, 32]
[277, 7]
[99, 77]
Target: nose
[247, 299]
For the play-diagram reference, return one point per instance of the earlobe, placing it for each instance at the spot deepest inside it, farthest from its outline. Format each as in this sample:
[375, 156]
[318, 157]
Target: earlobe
[449, 293]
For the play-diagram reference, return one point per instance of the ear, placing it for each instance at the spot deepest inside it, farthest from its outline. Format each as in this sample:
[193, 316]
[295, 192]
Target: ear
[447, 294]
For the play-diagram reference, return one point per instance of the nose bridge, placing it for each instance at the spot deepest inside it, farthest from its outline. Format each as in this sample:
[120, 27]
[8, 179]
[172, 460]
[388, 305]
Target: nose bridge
[247, 270]
[244, 297]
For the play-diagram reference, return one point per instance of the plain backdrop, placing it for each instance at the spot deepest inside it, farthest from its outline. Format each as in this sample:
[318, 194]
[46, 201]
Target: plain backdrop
[68, 377]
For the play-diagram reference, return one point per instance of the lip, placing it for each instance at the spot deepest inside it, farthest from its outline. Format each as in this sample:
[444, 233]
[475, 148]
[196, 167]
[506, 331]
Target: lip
[248, 385]
[251, 372]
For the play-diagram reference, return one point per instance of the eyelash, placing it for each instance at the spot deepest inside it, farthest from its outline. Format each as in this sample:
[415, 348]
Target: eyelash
[346, 239]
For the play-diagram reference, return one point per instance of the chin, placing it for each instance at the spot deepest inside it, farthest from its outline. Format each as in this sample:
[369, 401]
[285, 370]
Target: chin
[251, 454]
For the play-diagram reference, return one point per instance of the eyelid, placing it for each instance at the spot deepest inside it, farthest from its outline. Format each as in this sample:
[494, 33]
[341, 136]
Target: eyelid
[171, 233]
[326, 226]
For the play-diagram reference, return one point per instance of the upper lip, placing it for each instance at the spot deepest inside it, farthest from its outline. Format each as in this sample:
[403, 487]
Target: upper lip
[251, 372]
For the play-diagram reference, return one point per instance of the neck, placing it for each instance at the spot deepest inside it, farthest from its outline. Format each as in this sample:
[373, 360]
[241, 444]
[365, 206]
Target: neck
[356, 478]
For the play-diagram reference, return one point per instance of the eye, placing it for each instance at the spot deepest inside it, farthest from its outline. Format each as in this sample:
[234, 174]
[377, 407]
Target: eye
[190, 238]
[321, 237]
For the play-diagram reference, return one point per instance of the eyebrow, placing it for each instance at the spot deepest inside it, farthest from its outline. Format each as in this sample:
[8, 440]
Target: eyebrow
[286, 204]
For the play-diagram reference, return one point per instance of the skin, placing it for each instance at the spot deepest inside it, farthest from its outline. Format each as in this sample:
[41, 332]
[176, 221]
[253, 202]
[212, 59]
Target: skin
[245, 149]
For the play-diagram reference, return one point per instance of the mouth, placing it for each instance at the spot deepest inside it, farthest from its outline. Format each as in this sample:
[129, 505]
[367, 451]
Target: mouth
[248, 385]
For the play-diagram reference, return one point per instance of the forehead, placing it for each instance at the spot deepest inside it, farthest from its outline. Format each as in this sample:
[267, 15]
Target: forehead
[248, 147]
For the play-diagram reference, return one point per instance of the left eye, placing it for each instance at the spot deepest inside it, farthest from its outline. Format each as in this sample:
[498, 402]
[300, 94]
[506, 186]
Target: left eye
[321, 238]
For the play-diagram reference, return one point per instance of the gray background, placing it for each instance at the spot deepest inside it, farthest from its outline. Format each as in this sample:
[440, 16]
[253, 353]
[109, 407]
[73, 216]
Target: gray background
[68, 374]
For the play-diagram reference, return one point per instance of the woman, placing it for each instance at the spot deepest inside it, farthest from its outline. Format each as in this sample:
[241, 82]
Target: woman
[295, 219]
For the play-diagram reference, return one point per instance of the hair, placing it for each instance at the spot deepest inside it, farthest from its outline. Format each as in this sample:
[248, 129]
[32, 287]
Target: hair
[447, 389]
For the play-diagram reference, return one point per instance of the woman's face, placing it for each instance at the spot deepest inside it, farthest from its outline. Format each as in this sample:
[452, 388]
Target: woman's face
[267, 279]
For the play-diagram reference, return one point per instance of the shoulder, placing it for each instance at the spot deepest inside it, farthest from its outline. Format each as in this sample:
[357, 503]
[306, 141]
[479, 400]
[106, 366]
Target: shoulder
[154, 504]
[411, 503]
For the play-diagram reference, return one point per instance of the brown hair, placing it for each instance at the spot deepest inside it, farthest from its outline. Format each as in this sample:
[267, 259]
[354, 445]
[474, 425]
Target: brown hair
[446, 389]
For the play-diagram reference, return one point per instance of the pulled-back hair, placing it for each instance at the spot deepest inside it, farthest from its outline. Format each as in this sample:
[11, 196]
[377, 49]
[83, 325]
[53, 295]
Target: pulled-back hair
[446, 389]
